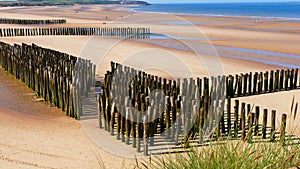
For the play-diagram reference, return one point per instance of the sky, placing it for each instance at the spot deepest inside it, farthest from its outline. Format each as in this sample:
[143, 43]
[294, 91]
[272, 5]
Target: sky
[207, 1]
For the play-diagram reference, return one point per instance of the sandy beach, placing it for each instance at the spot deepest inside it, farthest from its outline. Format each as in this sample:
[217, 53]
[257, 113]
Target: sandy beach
[36, 135]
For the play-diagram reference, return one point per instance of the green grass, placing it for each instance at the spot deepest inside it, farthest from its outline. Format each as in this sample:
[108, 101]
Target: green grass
[231, 155]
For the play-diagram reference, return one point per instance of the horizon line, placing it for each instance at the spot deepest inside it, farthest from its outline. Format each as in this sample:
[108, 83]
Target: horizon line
[225, 2]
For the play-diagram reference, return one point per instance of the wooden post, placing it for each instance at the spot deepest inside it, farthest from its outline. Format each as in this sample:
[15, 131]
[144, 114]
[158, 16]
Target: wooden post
[104, 108]
[154, 123]
[248, 113]
[173, 115]
[229, 116]
[139, 131]
[236, 84]
[123, 124]
[276, 83]
[281, 79]
[240, 82]
[201, 123]
[250, 126]
[236, 118]
[108, 112]
[255, 83]
[119, 117]
[271, 88]
[283, 128]
[250, 84]
[218, 114]
[292, 79]
[264, 125]
[146, 135]
[245, 84]
[296, 78]
[228, 90]
[223, 116]
[187, 126]
[257, 111]
[99, 110]
[243, 112]
[128, 129]
[286, 79]
[266, 82]
[168, 122]
[178, 120]
[273, 121]
[260, 83]
[112, 120]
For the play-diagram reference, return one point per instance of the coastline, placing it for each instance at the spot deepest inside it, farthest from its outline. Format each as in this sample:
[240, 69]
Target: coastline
[67, 131]
[220, 31]
[219, 15]
[199, 13]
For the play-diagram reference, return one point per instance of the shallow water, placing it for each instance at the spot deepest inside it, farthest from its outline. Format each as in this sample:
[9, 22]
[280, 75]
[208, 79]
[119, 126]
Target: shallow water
[238, 53]
[181, 23]
[162, 36]
[259, 52]
[263, 29]
[292, 66]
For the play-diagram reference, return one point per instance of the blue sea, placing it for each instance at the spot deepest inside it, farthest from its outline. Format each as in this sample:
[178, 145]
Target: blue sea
[282, 10]
[289, 10]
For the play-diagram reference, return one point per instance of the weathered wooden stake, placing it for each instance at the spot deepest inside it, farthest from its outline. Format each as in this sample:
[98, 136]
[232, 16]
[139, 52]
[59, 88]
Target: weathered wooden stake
[243, 112]
[283, 128]
[273, 121]
[264, 125]
[236, 118]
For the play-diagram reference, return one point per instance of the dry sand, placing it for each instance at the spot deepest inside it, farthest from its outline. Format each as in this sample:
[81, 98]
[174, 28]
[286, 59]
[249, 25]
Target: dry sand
[44, 137]
[37, 135]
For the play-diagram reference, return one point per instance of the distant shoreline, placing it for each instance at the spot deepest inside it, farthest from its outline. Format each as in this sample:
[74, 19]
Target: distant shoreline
[277, 10]
[228, 16]
[69, 2]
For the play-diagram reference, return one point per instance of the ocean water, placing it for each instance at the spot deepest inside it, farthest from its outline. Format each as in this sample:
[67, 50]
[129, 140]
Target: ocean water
[261, 56]
[286, 10]
[289, 10]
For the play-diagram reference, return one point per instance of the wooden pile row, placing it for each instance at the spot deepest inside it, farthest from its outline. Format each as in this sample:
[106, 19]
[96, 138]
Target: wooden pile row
[117, 32]
[263, 82]
[50, 73]
[245, 122]
[32, 22]
[138, 107]
[131, 109]
[83, 81]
